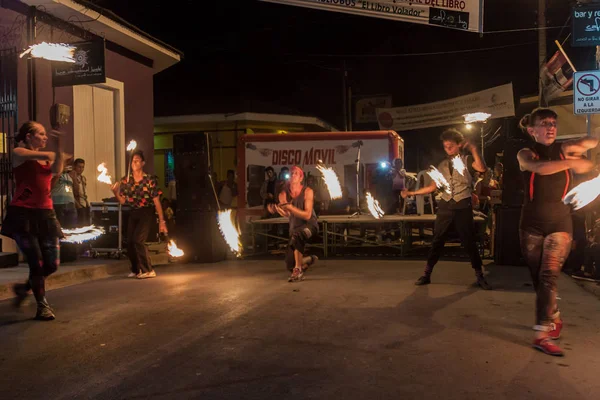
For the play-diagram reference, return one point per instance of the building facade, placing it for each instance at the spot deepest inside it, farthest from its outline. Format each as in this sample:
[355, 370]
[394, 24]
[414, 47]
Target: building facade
[98, 119]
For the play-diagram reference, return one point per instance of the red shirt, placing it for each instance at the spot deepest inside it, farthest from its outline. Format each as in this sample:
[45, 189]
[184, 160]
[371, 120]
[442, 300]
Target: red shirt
[33, 185]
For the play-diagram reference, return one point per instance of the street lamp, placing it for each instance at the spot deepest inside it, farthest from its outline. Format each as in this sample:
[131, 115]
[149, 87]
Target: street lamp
[477, 117]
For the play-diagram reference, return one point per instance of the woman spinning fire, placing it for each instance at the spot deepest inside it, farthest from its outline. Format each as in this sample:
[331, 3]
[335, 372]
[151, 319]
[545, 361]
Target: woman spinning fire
[546, 226]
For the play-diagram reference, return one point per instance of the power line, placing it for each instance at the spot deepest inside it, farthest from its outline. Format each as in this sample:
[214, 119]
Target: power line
[524, 29]
[412, 54]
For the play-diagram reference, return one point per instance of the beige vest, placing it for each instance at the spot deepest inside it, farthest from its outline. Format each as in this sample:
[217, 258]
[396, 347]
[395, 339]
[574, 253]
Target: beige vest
[461, 186]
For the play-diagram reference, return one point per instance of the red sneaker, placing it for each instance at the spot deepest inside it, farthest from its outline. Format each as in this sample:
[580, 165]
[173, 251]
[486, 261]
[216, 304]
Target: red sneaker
[546, 345]
[556, 327]
[297, 275]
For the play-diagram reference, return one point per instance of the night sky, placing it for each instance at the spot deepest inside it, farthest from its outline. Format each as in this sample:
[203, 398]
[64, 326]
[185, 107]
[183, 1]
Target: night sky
[263, 57]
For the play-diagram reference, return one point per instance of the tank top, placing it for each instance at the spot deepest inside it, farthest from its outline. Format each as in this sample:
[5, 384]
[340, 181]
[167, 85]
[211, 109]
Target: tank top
[32, 185]
[298, 202]
[543, 205]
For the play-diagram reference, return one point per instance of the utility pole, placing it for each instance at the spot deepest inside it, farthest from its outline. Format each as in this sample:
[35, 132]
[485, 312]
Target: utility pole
[345, 95]
[541, 45]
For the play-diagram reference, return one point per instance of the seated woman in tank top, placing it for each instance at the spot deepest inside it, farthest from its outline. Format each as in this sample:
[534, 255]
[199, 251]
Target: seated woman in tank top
[30, 219]
[296, 202]
[546, 225]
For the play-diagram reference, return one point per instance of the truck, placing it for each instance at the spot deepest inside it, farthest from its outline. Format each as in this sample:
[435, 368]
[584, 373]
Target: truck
[338, 150]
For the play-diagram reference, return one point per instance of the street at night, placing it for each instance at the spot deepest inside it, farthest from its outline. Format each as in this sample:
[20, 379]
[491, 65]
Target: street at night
[352, 329]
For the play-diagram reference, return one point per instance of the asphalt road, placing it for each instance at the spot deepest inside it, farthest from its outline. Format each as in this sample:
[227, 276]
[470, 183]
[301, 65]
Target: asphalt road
[352, 330]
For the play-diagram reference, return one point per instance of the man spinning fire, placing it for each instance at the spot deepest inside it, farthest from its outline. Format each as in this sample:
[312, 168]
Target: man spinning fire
[455, 206]
[296, 202]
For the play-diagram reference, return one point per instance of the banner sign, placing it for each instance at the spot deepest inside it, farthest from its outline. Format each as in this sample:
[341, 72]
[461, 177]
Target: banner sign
[456, 14]
[89, 66]
[497, 101]
[586, 26]
[366, 108]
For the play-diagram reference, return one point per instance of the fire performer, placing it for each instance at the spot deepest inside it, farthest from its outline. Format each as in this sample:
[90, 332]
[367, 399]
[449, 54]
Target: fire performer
[296, 202]
[141, 191]
[546, 225]
[455, 206]
[31, 220]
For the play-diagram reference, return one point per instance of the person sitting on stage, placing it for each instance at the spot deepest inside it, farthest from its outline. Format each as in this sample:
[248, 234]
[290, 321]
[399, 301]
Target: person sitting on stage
[31, 220]
[455, 206]
[296, 202]
[546, 227]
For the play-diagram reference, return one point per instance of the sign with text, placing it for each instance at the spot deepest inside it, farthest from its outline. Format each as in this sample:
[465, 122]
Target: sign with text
[89, 66]
[586, 26]
[456, 14]
[498, 101]
[366, 108]
[586, 96]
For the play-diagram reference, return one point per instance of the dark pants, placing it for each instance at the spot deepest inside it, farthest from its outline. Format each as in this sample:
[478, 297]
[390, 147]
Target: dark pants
[463, 223]
[83, 216]
[138, 227]
[66, 215]
[545, 256]
[43, 257]
[299, 237]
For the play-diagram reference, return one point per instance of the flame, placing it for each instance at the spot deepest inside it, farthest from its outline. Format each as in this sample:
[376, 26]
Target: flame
[52, 51]
[583, 194]
[67, 189]
[230, 232]
[132, 145]
[332, 182]
[439, 179]
[476, 117]
[104, 177]
[83, 234]
[174, 251]
[374, 207]
[459, 165]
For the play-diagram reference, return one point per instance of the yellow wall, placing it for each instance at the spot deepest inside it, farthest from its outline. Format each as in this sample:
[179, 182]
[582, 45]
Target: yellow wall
[224, 142]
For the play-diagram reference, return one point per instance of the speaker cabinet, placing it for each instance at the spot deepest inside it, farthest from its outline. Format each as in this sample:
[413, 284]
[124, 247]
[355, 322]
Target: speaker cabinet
[192, 168]
[199, 237]
[508, 247]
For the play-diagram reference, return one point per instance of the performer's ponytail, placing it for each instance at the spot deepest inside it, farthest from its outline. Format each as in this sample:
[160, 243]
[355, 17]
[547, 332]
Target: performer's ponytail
[27, 127]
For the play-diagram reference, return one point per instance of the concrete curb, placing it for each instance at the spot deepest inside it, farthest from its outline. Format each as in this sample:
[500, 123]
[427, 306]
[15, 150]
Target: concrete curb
[64, 278]
[591, 287]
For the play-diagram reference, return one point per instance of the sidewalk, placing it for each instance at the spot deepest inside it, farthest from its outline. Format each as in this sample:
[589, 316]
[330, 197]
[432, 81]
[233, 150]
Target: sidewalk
[73, 273]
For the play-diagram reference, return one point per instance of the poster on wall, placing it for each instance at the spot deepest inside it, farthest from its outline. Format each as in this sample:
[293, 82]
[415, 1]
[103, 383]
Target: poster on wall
[89, 66]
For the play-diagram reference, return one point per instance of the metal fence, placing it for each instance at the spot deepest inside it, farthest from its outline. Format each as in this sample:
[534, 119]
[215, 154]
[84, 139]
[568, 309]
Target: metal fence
[8, 123]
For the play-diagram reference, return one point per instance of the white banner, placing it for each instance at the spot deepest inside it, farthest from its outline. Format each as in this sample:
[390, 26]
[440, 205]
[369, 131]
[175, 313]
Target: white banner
[456, 14]
[497, 101]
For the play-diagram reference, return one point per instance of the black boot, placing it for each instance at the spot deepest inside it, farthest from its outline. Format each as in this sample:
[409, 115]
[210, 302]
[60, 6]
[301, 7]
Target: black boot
[44, 312]
[424, 280]
[21, 291]
[481, 282]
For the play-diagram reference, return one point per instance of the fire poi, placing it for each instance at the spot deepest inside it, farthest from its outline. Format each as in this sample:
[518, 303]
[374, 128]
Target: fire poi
[583, 194]
[104, 177]
[51, 51]
[173, 250]
[459, 165]
[439, 179]
[83, 234]
[230, 232]
[332, 181]
[374, 207]
[132, 145]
